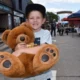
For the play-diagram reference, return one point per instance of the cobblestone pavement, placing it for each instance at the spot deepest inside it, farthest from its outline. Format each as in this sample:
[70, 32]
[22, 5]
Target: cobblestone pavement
[68, 66]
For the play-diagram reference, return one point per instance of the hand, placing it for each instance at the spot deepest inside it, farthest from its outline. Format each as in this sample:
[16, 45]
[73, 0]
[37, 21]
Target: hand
[32, 50]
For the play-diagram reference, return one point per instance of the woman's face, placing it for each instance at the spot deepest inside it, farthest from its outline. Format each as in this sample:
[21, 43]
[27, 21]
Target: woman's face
[36, 20]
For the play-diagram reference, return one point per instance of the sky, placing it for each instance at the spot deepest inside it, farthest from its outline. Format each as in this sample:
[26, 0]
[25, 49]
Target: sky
[60, 5]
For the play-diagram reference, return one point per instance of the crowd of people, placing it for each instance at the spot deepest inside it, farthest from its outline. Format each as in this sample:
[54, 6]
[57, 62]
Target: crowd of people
[55, 28]
[61, 28]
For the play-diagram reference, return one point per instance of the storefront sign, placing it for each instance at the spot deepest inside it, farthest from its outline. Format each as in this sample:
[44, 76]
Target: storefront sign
[18, 14]
[5, 8]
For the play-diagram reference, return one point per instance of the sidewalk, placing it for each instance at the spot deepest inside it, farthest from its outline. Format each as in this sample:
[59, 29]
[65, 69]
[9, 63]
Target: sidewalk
[68, 67]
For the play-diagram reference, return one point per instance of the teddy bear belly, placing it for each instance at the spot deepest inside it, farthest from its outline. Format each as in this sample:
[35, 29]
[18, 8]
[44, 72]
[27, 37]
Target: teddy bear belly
[27, 60]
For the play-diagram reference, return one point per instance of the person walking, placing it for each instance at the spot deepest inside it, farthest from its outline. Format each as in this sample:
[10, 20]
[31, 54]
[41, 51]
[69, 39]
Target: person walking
[53, 27]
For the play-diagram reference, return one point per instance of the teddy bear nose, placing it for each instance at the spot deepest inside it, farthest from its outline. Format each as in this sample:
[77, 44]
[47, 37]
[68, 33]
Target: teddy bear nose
[22, 38]
[7, 64]
[45, 58]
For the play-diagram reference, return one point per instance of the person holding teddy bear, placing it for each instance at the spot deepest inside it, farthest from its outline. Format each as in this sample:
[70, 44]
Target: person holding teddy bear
[35, 14]
[34, 52]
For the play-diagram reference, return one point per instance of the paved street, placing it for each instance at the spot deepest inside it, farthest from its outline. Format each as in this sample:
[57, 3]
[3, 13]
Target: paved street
[68, 67]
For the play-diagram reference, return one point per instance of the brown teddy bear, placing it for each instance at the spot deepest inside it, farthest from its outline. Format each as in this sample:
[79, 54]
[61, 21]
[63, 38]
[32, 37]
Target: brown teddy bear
[27, 59]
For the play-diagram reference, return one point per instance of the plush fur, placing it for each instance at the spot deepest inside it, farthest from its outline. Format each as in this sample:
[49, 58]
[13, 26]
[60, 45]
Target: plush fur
[28, 60]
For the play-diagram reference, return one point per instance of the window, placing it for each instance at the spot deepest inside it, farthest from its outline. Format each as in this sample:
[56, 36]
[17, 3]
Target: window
[20, 4]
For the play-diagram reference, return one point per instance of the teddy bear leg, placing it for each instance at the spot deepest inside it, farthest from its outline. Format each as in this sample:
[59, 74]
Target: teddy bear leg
[10, 65]
[47, 56]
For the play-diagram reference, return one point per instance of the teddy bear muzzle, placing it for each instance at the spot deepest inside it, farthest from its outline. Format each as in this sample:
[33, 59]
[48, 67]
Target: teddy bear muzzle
[22, 38]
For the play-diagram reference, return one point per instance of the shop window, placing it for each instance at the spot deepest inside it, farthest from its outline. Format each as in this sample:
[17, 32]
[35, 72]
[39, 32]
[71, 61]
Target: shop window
[9, 22]
[16, 21]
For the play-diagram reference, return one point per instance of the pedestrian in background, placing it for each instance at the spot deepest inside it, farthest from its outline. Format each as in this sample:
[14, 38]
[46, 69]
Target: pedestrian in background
[53, 27]
[59, 28]
[62, 29]
[67, 31]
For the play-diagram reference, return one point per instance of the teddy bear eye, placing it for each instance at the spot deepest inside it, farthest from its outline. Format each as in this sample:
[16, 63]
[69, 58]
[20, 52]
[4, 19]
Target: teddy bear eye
[1, 56]
[22, 38]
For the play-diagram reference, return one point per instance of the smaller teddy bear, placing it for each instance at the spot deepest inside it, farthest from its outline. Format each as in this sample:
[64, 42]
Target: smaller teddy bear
[27, 58]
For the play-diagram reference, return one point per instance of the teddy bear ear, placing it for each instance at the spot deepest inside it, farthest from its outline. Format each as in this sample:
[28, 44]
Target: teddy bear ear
[5, 35]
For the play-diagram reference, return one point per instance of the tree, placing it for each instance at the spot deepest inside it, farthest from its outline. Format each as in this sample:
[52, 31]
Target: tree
[30, 2]
[50, 16]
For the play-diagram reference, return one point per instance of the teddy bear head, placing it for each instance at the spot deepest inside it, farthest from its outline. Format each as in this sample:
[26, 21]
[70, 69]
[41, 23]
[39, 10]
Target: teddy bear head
[20, 34]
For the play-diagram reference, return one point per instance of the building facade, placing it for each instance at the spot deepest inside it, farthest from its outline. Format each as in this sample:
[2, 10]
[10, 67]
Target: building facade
[19, 11]
[5, 14]
[12, 13]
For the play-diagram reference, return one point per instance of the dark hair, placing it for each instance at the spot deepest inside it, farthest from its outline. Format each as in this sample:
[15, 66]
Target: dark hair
[35, 7]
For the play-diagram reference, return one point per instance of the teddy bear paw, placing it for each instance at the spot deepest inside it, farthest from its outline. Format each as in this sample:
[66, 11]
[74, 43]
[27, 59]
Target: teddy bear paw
[46, 58]
[4, 60]
[10, 65]
[48, 50]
